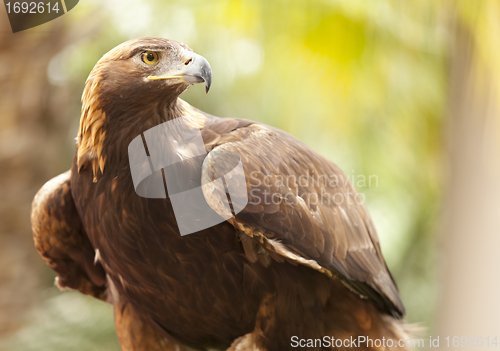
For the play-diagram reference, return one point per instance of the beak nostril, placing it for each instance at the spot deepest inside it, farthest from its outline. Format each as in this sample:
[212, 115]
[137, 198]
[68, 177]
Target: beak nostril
[188, 61]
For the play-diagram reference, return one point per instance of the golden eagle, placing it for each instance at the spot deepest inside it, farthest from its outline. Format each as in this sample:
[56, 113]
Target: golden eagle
[289, 270]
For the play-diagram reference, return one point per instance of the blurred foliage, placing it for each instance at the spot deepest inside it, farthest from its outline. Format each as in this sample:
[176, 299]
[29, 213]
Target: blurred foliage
[67, 321]
[362, 82]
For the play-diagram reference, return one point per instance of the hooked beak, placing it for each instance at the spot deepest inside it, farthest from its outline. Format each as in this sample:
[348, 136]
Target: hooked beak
[196, 70]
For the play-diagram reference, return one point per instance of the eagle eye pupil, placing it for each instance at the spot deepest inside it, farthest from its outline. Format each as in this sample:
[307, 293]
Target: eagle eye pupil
[149, 57]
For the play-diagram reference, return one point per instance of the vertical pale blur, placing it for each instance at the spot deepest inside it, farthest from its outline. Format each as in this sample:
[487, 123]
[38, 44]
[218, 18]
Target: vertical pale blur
[471, 281]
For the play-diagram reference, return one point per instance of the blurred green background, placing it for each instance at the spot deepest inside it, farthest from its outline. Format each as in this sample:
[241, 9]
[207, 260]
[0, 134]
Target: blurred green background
[372, 85]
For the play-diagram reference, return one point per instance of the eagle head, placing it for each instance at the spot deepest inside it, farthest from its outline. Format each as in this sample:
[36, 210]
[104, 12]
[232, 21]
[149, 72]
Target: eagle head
[141, 77]
[146, 69]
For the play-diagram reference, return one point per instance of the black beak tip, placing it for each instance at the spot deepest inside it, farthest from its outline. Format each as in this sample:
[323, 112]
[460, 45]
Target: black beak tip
[207, 77]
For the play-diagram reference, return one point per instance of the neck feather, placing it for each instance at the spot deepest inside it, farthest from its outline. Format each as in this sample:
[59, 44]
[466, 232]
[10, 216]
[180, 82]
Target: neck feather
[104, 135]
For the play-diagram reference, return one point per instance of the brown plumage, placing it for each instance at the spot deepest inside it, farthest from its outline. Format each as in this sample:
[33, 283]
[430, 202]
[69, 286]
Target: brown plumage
[275, 270]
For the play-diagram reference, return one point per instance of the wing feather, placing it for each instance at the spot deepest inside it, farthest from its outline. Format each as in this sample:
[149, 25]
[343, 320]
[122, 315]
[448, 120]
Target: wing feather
[61, 240]
[302, 207]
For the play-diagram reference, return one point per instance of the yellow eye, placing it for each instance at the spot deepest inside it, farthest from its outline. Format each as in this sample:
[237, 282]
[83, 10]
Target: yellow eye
[150, 57]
